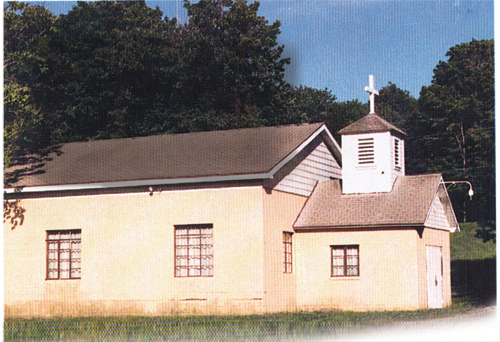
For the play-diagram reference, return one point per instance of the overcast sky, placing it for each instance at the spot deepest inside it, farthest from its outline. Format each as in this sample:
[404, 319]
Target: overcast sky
[336, 44]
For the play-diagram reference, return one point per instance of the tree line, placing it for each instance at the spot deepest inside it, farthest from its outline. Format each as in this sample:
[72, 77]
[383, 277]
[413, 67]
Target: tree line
[115, 69]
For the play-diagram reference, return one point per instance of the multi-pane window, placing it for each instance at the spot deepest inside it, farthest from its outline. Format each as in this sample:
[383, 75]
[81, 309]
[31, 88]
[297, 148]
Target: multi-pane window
[64, 249]
[287, 252]
[397, 155]
[345, 261]
[194, 250]
[366, 151]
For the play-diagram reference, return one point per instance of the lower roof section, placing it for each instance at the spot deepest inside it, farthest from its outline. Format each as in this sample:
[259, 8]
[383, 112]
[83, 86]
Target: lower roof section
[407, 205]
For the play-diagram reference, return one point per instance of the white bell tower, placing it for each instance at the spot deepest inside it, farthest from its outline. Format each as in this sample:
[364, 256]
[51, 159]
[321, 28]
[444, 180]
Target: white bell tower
[372, 152]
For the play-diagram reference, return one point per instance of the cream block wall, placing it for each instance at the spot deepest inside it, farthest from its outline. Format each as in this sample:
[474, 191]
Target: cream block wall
[128, 254]
[128, 258]
[280, 212]
[388, 271]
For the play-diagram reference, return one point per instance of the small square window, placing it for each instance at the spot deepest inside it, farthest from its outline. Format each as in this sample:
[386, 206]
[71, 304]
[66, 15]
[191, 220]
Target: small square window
[194, 250]
[64, 249]
[345, 261]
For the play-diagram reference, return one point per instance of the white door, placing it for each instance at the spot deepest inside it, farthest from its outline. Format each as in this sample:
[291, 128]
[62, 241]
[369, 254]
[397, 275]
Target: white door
[434, 278]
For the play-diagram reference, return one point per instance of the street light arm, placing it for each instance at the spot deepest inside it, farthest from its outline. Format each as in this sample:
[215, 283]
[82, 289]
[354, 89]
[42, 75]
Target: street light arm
[471, 191]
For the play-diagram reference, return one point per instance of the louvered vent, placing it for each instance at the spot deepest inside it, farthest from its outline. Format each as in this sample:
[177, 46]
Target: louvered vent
[397, 156]
[366, 153]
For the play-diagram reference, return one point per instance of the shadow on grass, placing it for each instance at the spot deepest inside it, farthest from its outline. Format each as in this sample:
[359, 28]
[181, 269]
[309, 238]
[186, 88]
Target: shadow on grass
[474, 280]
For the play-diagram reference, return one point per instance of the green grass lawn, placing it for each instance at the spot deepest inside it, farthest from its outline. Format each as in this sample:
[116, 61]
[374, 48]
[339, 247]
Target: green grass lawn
[252, 327]
[464, 246]
[473, 267]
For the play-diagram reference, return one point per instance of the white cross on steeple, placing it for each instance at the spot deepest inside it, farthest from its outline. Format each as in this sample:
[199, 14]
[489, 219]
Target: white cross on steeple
[371, 89]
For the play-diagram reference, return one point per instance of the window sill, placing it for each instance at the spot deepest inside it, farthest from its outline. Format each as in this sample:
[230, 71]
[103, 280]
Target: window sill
[345, 278]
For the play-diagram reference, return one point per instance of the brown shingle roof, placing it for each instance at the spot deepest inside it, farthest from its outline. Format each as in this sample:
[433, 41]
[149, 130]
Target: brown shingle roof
[171, 156]
[372, 123]
[406, 205]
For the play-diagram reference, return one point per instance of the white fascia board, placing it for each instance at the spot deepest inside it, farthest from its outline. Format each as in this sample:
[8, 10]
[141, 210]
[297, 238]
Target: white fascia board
[454, 226]
[302, 146]
[335, 144]
[148, 182]
[432, 200]
[450, 229]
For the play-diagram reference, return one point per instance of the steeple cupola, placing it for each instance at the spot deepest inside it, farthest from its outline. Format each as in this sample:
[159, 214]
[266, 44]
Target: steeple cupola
[372, 152]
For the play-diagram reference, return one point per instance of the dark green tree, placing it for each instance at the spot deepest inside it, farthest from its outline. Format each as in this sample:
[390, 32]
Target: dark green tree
[456, 126]
[118, 69]
[396, 106]
[110, 73]
[305, 104]
[231, 68]
[26, 32]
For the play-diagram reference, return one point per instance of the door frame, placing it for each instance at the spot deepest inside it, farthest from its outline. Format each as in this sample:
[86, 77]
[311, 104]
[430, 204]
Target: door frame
[434, 263]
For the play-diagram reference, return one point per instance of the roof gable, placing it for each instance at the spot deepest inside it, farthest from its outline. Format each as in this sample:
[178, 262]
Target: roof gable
[318, 165]
[408, 204]
[174, 158]
[371, 123]
[441, 214]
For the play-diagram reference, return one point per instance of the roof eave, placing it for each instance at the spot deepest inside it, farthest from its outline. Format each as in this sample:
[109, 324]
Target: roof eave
[148, 182]
[358, 226]
[395, 131]
[372, 226]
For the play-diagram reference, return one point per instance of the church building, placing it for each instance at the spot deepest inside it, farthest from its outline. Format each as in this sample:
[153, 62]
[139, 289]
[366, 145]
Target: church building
[242, 221]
